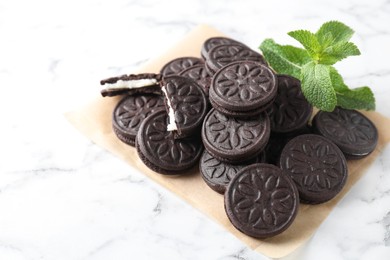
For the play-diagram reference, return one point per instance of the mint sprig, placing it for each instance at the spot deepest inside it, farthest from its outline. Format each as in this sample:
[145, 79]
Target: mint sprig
[321, 83]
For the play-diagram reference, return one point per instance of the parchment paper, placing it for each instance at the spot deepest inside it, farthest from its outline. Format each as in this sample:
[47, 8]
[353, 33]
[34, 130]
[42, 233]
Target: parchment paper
[94, 121]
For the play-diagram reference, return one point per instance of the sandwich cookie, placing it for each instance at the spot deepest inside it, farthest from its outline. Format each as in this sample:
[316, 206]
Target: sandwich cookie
[243, 88]
[235, 140]
[130, 112]
[261, 201]
[350, 130]
[317, 167]
[186, 103]
[160, 151]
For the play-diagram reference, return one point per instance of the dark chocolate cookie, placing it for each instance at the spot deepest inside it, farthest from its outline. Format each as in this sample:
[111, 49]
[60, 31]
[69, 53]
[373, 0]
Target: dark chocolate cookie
[199, 74]
[350, 130]
[130, 112]
[244, 87]
[261, 201]
[316, 165]
[175, 66]
[290, 111]
[187, 105]
[222, 55]
[234, 140]
[217, 174]
[216, 41]
[160, 151]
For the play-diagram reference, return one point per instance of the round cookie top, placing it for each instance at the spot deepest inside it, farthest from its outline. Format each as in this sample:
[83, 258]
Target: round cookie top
[222, 55]
[261, 201]
[217, 174]
[199, 74]
[316, 165]
[243, 86]
[290, 110]
[175, 66]
[216, 41]
[232, 139]
[131, 111]
[161, 151]
[188, 103]
[350, 130]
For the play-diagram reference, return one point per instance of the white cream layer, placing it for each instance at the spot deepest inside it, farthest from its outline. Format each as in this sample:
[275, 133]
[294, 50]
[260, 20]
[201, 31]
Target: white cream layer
[171, 114]
[131, 84]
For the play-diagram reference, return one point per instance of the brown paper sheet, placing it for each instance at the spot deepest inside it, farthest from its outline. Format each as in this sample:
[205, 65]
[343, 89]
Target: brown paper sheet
[94, 121]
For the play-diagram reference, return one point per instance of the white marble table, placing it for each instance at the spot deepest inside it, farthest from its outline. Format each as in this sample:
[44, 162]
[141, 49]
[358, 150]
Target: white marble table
[62, 197]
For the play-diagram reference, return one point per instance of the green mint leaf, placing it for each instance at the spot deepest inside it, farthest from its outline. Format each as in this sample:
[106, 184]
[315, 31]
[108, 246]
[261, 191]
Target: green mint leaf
[284, 59]
[296, 55]
[317, 86]
[337, 52]
[358, 98]
[333, 32]
[337, 80]
[308, 40]
[321, 84]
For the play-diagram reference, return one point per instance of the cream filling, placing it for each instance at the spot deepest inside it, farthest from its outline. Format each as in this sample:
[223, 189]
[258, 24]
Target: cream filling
[131, 84]
[171, 114]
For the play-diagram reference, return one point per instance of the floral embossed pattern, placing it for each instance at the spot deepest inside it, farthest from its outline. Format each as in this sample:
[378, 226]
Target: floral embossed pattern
[290, 110]
[261, 201]
[216, 41]
[134, 109]
[243, 86]
[159, 145]
[233, 138]
[349, 129]
[188, 101]
[218, 174]
[222, 55]
[199, 74]
[175, 66]
[316, 165]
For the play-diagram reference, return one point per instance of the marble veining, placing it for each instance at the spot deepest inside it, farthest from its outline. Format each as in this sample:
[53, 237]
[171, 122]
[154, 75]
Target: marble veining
[63, 197]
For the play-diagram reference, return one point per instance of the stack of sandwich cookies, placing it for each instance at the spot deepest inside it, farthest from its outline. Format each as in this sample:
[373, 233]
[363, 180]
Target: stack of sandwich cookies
[169, 141]
[256, 116]
[289, 114]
